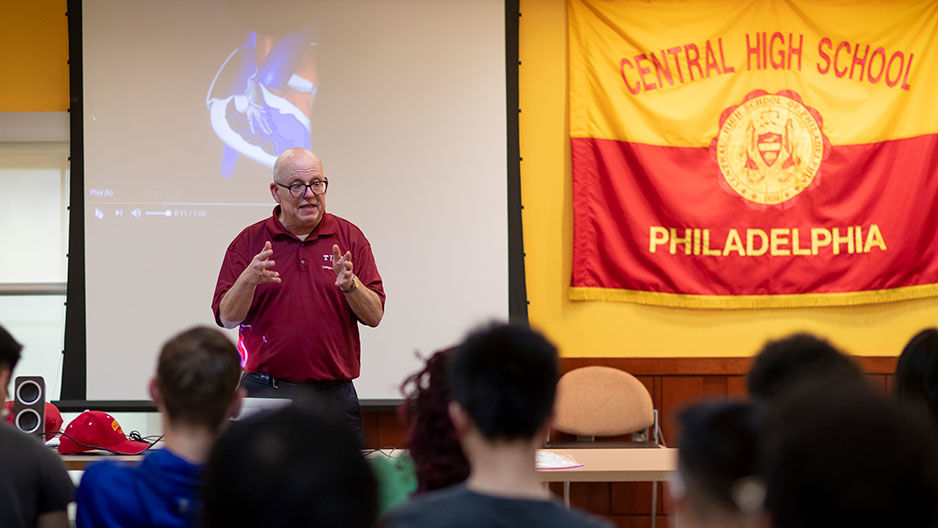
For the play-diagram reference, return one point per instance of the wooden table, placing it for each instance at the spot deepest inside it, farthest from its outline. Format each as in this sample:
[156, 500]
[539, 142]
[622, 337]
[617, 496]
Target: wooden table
[615, 464]
[599, 464]
[80, 462]
[618, 464]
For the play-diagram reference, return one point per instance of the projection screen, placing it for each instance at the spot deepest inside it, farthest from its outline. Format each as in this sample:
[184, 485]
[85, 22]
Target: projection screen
[186, 104]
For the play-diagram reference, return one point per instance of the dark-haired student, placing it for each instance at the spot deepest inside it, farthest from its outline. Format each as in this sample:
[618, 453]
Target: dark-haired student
[293, 467]
[916, 383]
[34, 488]
[716, 485]
[838, 454]
[787, 362]
[502, 384]
[196, 391]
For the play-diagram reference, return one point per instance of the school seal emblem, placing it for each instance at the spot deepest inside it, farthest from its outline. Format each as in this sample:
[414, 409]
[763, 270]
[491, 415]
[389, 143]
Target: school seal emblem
[770, 147]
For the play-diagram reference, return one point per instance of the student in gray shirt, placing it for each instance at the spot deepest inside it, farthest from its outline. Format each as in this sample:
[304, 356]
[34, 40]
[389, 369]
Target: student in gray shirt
[502, 384]
[34, 488]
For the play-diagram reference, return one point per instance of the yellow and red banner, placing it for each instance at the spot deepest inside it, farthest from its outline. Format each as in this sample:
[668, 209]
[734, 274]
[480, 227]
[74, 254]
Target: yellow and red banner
[761, 153]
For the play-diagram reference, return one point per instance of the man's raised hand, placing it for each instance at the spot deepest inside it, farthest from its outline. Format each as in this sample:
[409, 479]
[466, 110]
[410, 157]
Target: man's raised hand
[342, 266]
[258, 271]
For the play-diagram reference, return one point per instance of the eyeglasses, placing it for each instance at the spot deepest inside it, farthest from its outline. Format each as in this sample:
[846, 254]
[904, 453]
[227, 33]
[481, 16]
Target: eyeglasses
[298, 190]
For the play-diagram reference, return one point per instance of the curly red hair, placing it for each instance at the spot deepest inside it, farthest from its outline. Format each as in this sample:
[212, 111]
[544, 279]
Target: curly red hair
[432, 441]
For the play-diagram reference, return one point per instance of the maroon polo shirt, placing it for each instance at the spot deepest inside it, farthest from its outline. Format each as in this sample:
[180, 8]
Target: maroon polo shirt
[303, 327]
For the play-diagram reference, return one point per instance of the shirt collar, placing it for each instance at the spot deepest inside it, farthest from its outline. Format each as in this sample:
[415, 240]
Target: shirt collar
[327, 226]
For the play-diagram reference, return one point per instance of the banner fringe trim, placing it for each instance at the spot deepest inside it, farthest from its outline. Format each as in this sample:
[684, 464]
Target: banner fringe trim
[801, 300]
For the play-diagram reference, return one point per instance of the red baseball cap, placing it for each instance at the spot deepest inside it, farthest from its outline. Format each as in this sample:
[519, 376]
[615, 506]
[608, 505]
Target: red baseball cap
[53, 418]
[97, 430]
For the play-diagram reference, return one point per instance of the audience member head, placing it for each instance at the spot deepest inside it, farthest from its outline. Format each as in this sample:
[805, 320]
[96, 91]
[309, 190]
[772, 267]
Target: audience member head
[196, 381]
[296, 466]
[432, 442]
[786, 362]
[504, 377]
[9, 357]
[718, 459]
[837, 454]
[916, 382]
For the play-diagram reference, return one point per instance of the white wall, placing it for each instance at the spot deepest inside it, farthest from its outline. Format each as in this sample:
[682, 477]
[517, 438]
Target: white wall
[34, 238]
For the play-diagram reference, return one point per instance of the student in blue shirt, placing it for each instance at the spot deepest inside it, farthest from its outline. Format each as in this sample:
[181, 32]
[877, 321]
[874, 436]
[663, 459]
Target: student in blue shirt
[196, 391]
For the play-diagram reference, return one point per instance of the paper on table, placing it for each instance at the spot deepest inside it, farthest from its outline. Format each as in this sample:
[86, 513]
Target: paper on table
[551, 460]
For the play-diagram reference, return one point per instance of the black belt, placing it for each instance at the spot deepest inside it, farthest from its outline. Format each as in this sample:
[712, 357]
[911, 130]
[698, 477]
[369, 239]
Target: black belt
[277, 382]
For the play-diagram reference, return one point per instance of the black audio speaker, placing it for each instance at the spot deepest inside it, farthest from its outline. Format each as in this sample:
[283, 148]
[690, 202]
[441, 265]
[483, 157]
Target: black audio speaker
[29, 405]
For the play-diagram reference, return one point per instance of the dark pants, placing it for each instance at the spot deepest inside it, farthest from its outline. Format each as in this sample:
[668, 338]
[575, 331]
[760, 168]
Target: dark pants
[338, 397]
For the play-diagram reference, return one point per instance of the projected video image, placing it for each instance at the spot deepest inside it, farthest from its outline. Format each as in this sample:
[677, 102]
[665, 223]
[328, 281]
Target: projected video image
[260, 99]
[230, 91]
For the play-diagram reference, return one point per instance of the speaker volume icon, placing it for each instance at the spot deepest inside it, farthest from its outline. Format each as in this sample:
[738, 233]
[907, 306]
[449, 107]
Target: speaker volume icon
[136, 213]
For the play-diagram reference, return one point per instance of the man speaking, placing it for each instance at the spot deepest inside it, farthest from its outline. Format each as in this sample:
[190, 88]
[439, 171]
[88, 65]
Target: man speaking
[298, 283]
